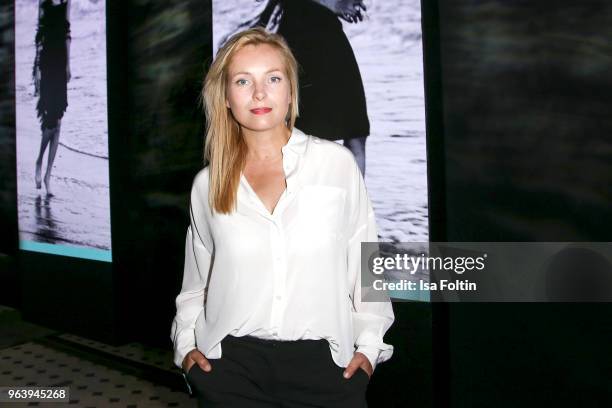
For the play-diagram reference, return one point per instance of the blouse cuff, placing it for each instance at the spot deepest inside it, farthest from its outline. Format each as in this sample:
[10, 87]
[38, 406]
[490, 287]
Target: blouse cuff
[375, 351]
[372, 353]
[184, 342]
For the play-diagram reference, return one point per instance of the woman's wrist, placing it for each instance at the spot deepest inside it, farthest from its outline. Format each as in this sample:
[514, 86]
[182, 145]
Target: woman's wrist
[371, 354]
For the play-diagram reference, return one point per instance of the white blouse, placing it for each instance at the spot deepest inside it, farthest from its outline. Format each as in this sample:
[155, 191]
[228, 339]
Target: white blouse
[293, 274]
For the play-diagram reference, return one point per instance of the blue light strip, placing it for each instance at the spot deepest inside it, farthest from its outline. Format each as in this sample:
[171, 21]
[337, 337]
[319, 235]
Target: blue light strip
[66, 250]
[417, 294]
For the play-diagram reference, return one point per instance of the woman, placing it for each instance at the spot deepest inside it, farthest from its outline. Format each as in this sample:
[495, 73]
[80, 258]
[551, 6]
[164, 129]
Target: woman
[270, 311]
[51, 75]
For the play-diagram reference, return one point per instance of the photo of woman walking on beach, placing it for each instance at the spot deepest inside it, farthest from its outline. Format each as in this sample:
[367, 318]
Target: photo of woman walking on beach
[51, 75]
[63, 192]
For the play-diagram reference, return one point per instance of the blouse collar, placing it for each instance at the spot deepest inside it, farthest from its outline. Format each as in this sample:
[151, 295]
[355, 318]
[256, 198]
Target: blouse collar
[292, 154]
[297, 142]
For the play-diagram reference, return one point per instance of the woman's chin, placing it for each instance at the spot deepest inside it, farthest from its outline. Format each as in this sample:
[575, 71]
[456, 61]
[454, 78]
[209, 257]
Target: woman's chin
[263, 127]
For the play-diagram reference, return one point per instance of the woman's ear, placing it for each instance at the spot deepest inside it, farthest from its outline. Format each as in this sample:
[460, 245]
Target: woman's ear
[227, 105]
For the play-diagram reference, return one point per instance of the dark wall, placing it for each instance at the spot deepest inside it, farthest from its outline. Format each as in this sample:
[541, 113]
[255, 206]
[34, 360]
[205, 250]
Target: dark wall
[161, 49]
[527, 92]
[8, 186]
[527, 117]
[406, 380]
[68, 294]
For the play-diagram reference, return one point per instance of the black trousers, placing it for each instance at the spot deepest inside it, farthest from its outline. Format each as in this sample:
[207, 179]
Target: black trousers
[255, 373]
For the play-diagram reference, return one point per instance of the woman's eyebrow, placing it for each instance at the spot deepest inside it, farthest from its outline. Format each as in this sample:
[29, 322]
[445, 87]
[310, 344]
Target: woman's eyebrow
[248, 73]
[240, 73]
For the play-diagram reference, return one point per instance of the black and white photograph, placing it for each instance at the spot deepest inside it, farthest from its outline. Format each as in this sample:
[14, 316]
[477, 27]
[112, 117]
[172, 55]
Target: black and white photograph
[368, 95]
[61, 127]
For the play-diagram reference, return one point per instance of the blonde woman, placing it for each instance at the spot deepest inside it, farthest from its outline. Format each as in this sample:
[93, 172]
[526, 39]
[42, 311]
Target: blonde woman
[270, 311]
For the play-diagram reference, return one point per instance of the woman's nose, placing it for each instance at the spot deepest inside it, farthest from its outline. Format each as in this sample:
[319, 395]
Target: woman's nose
[259, 92]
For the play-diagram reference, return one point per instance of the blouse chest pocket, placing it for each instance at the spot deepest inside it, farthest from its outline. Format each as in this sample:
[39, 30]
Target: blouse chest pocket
[320, 211]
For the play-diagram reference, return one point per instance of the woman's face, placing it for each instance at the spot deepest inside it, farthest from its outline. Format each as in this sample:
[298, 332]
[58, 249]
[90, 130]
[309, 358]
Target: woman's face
[258, 90]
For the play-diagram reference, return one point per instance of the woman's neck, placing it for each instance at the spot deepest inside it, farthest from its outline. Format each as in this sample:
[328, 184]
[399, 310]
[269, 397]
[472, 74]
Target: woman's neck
[265, 146]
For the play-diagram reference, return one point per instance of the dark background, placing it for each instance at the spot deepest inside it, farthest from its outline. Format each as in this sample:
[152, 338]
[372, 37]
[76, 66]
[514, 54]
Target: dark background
[519, 148]
[526, 97]
[8, 179]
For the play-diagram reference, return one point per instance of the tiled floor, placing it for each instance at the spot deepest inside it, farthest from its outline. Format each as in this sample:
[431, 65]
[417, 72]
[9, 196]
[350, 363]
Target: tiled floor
[93, 382]
[132, 351]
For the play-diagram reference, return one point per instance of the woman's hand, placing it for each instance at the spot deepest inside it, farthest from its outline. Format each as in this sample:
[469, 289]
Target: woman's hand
[359, 361]
[350, 10]
[195, 357]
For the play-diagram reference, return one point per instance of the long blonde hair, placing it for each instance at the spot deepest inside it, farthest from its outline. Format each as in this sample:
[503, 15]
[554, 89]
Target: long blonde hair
[224, 148]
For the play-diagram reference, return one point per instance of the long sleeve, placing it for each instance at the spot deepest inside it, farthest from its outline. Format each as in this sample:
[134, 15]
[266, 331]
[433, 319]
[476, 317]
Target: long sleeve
[198, 257]
[371, 320]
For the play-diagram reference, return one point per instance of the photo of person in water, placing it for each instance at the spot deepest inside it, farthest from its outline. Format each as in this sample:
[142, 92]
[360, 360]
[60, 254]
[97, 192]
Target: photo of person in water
[51, 75]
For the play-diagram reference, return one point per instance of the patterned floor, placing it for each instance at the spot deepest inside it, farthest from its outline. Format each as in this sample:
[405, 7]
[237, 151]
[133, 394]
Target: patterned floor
[98, 375]
[133, 351]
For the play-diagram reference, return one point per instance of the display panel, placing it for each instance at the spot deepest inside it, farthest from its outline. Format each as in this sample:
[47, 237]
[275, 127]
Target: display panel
[61, 128]
[372, 57]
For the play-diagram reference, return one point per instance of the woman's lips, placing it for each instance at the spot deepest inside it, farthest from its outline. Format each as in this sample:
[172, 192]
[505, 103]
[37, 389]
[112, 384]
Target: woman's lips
[261, 111]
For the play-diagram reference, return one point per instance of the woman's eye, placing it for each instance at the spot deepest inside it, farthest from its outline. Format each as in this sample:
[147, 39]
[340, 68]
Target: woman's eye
[275, 79]
[241, 82]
